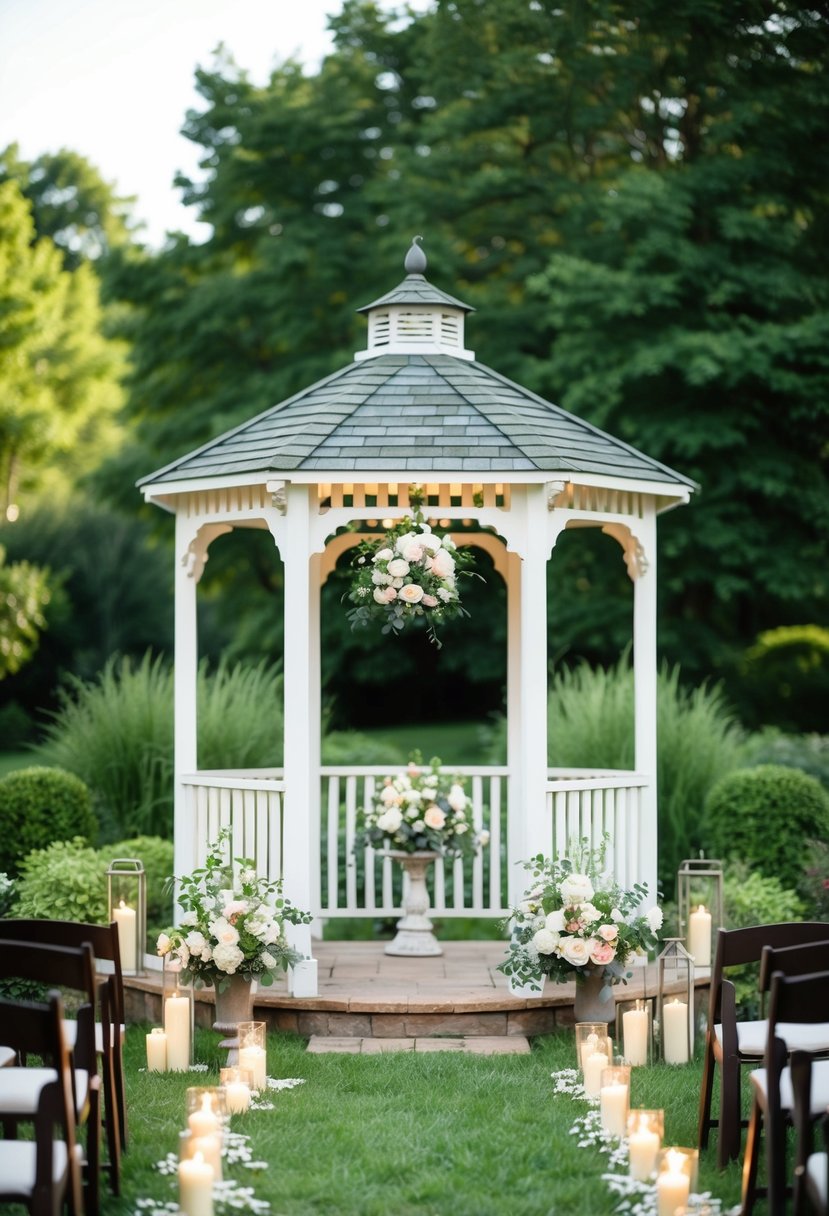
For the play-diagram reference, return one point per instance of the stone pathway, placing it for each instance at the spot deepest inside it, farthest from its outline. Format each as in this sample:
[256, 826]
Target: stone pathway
[473, 1045]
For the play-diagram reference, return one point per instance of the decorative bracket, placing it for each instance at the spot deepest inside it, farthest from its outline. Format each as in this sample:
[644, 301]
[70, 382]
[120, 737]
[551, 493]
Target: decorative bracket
[554, 489]
[634, 554]
[196, 555]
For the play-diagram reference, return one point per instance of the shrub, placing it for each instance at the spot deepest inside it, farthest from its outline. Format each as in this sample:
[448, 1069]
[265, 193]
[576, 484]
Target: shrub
[37, 806]
[63, 882]
[763, 815]
[785, 677]
[814, 886]
[752, 898]
[156, 855]
[352, 747]
[809, 753]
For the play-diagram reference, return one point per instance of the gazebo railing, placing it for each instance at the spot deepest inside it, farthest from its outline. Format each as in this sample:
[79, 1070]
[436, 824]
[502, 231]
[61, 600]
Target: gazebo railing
[581, 804]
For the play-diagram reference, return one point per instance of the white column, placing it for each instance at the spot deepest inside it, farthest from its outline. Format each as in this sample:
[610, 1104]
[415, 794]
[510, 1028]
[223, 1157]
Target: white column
[185, 674]
[642, 568]
[515, 826]
[301, 777]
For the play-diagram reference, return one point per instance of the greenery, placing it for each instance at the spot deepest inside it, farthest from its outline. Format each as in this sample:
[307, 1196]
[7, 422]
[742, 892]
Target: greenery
[24, 594]
[814, 886]
[421, 809]
[117, 734]
[63, 882]
[752, 898]
[421, 1133]
[785, 677]
[39, 805]
[810, 753]
[763, 815]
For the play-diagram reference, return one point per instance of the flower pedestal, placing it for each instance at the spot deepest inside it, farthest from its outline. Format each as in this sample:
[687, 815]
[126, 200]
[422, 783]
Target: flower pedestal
[233, 1005]
[594, 1001]
[414, 938]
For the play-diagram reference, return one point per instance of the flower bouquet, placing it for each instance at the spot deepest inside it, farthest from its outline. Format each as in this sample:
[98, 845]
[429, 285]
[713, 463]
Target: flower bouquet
[233, 923]
[421, 810]
[575, 919]
[410, 575]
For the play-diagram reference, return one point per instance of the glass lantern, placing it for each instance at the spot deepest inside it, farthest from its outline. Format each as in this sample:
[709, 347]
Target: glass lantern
[699, 897]
[178, 1014]
[634, 1030]
[614, 1099]
[237, 1084]
[592, 1037]
[676, 1179]
[127, 904]
[675, 1002]
[253, 1053]
[645, 1131]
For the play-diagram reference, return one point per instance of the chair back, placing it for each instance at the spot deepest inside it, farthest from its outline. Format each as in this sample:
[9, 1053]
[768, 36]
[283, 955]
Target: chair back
[64, 966]
[736, 947]
[795, 960]
[798, 998]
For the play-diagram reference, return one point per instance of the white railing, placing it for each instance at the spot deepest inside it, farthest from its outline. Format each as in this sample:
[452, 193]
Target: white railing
[580, 804]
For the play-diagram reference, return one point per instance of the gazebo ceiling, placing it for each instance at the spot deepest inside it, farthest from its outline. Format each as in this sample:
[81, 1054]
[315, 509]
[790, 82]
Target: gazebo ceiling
[427, 410]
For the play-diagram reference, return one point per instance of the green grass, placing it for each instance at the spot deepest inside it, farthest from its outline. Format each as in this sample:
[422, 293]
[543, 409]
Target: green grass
[454, 742]
[408, 1135]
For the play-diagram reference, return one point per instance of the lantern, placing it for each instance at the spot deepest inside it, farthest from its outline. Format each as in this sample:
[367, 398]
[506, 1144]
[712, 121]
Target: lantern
[127, 904]
[675, 1002]
[614, 1099]
[253, 1053]
[699, 897]
[676, 1179]
[645, 1131]
[634, 1030]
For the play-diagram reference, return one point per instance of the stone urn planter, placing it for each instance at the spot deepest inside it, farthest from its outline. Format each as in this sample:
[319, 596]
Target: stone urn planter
[594, 1001]
[414, 938]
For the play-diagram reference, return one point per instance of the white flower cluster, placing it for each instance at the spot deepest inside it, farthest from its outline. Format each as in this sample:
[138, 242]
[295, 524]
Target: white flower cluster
[422, 809]
[396, 571]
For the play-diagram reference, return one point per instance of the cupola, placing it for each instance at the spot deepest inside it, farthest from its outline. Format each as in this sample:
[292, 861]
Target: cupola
[415, 318]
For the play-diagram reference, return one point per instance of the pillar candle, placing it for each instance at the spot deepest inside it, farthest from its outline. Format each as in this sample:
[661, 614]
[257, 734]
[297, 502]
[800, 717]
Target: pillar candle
[594, 1066]
[157, 1051]
[254, 1060]
[588, 1047]
[643, 1151]
[204, 1122]
[675, 1032]
[124, 917]
[177, 1026]
[195, 1187]
[635, 1036]
[672, 1191]
[237, 1097]
[613, 1106]
[210, 1148]
[699, 937]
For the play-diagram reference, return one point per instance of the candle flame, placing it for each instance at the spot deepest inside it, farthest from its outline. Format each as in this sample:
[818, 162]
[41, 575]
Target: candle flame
[676, 1160]
[198, 1156]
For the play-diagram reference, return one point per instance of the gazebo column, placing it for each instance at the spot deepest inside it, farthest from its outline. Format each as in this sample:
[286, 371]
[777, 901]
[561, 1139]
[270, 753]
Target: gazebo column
[302, 791]
[641, 564]
[185, 678]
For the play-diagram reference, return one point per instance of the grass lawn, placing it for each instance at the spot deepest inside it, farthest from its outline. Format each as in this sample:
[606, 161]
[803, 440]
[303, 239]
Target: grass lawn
[454, 742]
[407, 1135]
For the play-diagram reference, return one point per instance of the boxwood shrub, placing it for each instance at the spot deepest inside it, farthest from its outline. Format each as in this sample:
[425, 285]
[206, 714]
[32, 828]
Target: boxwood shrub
[37, 806]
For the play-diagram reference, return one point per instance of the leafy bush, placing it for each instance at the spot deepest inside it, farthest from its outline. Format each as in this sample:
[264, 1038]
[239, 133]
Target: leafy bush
[814, 886]
[39, 805]
[65, 881]
[809, 753]
[785, 677]
[352, 747]
[117, 733]
[763, 815]
[156, 855]
[752, 898]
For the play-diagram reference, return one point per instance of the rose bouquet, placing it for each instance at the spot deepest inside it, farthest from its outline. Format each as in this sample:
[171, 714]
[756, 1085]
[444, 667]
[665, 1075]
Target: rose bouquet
[233, 923]
[421, 810]
[574, 917]
[411, 575]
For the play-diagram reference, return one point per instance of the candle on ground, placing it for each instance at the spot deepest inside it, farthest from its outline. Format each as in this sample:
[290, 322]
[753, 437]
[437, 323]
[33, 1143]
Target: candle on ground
[675, 1032]
[614, 1108]
[237, 1097]
[210, 1148]
[699, 937]
[254, 1060]
[588, 1047]
[205, 1121]
[156, 1051]
[195, 1187]
[672, 1187]
[124, 917]
[177, 1027]
[635, 1035]
[643, 1153]
[594, 1066]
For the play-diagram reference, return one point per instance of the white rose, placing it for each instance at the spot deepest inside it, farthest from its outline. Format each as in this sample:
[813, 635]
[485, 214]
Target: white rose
[196, 942]
[390, 820]
[434, 818]
[189, 919]
[430, 542]
[576, 889]
[412, 797]
[457, 798]
[483, 839]
[589, 913]
[398, 568]
[445, 595]
[224, 932]
[379, 579]
[418, 825]
[460, 828]
[411, 594]
[576, 951]
[545, 942]
[383, 555]
[555, 920]
[410, 548]
[442, 564]
[380, 595]
[616, 916]
[163, 944]
[654, 918]
[227, 957]
[608, 933]
[389, 795]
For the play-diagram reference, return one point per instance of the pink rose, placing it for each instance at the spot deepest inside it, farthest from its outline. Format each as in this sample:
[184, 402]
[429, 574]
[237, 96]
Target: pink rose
[429, 601]
[608, 932]
[602, 953]
[442, 564]
[434, 818]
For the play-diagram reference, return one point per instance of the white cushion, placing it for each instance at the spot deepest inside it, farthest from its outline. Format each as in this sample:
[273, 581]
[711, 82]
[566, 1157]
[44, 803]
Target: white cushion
[816, 1172]
[20, 1089]
[819, 1096]
[798, 1036]
[7, 1056]
[70, 1033]
[18, 1163]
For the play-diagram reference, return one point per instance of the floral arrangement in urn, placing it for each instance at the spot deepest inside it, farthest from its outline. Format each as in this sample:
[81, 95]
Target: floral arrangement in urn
[233, 923]
[575, 919]
[410, 575]
[421, 810]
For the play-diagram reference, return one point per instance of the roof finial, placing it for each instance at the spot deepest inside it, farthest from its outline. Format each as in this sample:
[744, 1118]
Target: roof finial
[415, 262]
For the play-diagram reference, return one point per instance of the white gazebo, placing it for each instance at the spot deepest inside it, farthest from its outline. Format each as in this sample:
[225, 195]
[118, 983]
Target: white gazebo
[414, 408]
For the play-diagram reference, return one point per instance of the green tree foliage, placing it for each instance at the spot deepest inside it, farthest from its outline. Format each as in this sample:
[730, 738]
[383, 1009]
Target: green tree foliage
[24, 594]
[785, 678]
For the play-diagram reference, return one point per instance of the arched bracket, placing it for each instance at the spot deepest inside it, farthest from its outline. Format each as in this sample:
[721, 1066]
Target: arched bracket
[195, 556]
[635, 557]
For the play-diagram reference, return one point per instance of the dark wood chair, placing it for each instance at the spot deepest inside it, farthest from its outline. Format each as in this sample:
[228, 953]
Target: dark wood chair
[729, 1043]
[794, 1000]
[20, 1087]
[45, 1172]
[106, 948]
[811, 1194]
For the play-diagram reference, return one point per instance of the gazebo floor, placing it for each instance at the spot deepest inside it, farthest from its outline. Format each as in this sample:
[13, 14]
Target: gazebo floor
[366, 994]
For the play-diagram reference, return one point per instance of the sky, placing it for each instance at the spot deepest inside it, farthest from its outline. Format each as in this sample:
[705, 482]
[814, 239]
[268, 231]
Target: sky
[113, 79]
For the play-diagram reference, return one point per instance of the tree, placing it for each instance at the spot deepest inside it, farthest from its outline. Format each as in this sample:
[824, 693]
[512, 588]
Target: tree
[24, 594]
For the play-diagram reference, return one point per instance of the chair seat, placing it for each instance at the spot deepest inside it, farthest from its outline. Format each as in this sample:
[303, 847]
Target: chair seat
[798, 1036]
[18, 1165]
[816, 1173]
[20, 1089]
[7, 1056]
[70, 1030]
[819, 1097]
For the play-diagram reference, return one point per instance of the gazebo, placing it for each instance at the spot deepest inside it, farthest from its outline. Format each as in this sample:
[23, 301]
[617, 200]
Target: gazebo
[415, 408]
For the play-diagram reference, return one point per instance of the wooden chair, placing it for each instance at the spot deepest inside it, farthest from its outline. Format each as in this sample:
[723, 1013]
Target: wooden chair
[20, 1087]
[802, 1000]
[811, 1194]
[730, 1044]
[45, 1172]
[106, 948]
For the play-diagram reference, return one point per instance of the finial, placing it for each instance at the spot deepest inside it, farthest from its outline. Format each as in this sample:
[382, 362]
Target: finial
[415, 262]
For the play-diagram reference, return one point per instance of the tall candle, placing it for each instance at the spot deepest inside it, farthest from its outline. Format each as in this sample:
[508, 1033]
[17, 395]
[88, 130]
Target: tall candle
[254, 1060]
[237, 1097]
[594, 1066]
[156, 1051]
[699, 937]
[635, 1035]
[672, 1188]
[210, 1148]
[124, 917]
[204, 1122]
[177, 1026]
[675, 1032]
[613, 1107]
[643, 1152]
[195, 1187]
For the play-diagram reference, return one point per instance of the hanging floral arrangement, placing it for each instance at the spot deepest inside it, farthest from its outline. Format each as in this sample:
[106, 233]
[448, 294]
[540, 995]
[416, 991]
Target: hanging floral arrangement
[409, 576]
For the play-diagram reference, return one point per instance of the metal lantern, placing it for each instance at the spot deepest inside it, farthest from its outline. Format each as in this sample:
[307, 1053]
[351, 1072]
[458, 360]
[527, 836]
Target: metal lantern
[675, 1002]
[699, 897]
[127, 904]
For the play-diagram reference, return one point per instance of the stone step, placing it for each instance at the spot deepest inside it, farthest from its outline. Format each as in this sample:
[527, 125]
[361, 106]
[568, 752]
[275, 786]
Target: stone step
[472, 1045]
